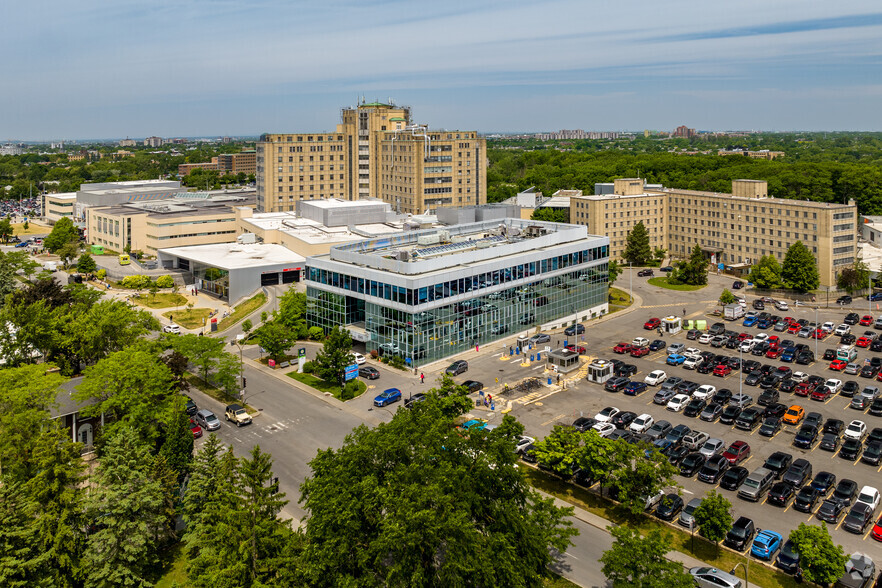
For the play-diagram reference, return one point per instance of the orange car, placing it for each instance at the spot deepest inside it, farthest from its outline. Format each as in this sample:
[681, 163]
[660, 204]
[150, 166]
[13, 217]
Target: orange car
[794, 415]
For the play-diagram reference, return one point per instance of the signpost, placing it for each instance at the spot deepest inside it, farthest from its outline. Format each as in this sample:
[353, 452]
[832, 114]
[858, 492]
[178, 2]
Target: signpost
[351, 372]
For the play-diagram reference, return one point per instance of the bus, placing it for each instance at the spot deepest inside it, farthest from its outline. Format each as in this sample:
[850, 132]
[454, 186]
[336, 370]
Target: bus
[124, 259]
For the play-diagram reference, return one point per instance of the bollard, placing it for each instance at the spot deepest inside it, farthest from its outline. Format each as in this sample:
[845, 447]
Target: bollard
[518, 351]
[531, 357]
[566, 342]
[492, 405]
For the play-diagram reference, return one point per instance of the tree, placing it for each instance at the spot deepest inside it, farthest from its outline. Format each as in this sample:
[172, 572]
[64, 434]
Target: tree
[275, 338]
[714, 517]
[692, 272]
[820, 560]
[292, 313]
[659, 254]
[335, 355]
[637, 249]
[560, 450]
[68, 252]
[727, 297]
[126, 504]
[615, 270]
[86, 265]
[800, 268]
[553, 215]
[63, 232]
[766, 274]
[855, 277]
[637, 476]
[634, 561]
[5, 229]
[247, 326]
[205, 352]
[390, 507]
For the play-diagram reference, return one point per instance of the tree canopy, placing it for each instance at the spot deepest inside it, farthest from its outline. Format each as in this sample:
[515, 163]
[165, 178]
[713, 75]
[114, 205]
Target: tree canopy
[63, 233]
[635, 561]
[820, 560]
[637, 249]
[800, 268]
[766, 273]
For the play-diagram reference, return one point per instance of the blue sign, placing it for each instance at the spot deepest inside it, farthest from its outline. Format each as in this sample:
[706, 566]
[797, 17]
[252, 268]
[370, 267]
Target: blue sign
[351, 372]
[721, 266]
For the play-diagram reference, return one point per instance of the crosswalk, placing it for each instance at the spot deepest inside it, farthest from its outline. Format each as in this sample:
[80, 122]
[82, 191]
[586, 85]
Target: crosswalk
[259, 430]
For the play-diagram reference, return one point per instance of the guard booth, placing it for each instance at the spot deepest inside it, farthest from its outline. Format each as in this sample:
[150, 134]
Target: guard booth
[562, 361]
[599, 371]
[671, 325]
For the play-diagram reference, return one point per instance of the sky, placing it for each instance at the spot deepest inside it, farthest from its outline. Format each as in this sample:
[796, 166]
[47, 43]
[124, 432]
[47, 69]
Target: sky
[100, 69]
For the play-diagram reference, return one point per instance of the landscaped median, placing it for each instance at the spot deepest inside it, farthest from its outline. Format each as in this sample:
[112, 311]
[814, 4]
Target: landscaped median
[325, 387]
[662, 282]
[242, 311]
[723, 558]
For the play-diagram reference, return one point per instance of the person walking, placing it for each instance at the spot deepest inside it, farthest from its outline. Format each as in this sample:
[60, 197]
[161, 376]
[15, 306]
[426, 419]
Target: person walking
[422, 378]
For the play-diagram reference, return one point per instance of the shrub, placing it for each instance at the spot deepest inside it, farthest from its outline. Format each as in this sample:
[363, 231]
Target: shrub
[308, 367]
[102, 273]
[316, 333]
[397, 361]
[350, 389]
[374, 354]
[165, 282]
[136, 282]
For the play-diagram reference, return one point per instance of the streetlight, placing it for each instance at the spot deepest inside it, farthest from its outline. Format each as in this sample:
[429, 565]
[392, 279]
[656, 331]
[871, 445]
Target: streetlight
[630, 284]
[746, 571]
[241, 368]
[816, 332]
[740, 368]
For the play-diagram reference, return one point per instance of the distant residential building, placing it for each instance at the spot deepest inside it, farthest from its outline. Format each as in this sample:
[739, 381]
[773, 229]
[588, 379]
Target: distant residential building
[761, 154]
[10, 149]
[225, 163]
[57, 145]
[186, 168]
[128, 143]
[565, 134]
[531, 200]
[684, 131]
[153, 142]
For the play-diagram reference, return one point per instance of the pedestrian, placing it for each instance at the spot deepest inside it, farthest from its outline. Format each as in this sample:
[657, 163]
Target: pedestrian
[684, 312]
[489, 398]
[558, 379]
[510, 350]
[422, 378]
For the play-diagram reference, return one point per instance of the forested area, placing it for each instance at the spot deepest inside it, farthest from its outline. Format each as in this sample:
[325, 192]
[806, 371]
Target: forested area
[823, 170]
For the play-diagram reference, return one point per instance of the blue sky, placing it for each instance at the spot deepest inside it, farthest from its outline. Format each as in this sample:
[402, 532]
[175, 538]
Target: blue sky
[210, 67]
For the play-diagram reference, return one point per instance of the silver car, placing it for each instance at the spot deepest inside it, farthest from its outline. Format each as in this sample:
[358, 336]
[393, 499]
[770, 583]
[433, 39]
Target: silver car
[712, 447]
[207, 420]
[714, 578]
[687, 517]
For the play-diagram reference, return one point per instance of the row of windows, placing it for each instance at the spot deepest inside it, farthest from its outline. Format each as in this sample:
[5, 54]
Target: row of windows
[844, 227]
[197, 222]
[187, 235]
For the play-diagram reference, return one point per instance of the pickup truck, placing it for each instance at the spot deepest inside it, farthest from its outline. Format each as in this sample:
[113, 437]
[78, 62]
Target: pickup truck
[238, 414]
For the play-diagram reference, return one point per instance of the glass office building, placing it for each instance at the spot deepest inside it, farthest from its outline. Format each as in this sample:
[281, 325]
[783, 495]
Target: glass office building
[426, 295]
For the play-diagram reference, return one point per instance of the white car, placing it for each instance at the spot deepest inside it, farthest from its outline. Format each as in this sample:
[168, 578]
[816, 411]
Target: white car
[781, 305]
[604, 429]
[829, 326]
[746, 346]
[760, 337]
[640, 342]
[692, 352]
[642, 423]
[607, 414]
[799, 377]
[522, 443]
[856, 430]
[742, 301]
[174, 329]
[842, 329]
[834, 385]
[359, 358]
[655, 378]
[678, 402]
[705, 338]
[869, 496]
[705, 392]
[692, 362]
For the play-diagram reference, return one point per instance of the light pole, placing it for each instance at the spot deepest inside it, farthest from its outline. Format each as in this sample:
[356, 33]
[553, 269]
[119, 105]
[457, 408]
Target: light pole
[740, 368]
[746, 571]
[816, 332]
[241, 369]
[630, 284]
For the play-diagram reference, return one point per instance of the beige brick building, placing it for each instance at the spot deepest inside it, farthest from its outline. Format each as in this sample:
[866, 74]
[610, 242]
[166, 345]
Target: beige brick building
[374, 152]
[734, 229]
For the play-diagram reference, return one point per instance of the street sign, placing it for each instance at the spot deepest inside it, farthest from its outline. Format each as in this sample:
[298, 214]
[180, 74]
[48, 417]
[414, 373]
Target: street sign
[351, 372]
[301, 352]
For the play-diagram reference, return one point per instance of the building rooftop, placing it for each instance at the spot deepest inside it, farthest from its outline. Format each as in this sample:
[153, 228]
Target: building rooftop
[230, 256]
[63, 196]
[186, 204]
[806, 203]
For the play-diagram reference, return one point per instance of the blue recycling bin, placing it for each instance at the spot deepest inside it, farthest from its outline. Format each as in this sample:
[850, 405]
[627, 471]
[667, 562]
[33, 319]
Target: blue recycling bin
[538, 356]
[517, 351]
[549, 380]
[531, 357]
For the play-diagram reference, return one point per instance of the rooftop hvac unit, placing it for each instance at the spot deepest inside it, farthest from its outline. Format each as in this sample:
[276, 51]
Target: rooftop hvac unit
[246, 239]
[430, 239]
[444, 236]
[403, 255]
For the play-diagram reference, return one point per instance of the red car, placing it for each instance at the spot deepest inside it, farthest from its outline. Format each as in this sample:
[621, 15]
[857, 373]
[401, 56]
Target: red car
[866, 321]
[743, 336]
[794, 328]
[838, 365]
[722, 370]
[195, 429]
[581, 350]
[737, 452]
[803, 389]
[622, 348]
[820, 334]
[821, 393]
[863, 342]
[876, 533]
[774, 352]
[879, 377]
[635, 351]
[651, 324]
[773, 340]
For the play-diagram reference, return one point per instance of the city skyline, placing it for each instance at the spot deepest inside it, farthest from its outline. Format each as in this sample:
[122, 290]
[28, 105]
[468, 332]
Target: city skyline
[222, 68]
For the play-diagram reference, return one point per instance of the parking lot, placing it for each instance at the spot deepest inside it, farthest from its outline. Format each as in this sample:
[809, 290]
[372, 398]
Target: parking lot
[541, 411]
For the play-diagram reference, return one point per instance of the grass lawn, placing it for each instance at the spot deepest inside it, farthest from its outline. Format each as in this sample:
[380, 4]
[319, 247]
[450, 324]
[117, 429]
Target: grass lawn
[173, 567]
[662, 282]
[198, 383]
[33, 229]
[681, 540]
[618, 300]
[243, 310]
[323, 386]
[161, 300]
[189, 318]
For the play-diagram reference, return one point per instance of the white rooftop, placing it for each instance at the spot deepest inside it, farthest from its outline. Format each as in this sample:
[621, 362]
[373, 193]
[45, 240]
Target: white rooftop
[63, 196]
[230, 256]
[339, 203]
[313, 232]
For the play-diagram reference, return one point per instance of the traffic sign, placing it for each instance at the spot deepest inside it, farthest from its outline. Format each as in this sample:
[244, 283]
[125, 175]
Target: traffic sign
[351, 372]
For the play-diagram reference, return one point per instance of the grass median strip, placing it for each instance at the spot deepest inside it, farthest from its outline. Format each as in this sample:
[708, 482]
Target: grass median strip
[662, 282]
[243, 310]
[323, 386]
[160, 300]
[189, 318]
[682, 541]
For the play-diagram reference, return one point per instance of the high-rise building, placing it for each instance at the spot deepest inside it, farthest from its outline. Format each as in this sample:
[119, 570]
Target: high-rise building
[374, 152]
[684, 131]
[153, 142]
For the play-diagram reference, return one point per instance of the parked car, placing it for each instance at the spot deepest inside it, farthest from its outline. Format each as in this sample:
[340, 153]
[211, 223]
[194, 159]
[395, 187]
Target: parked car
[368, 372]
[766, 544]
[733, 478]
[388, 397]
[457, 367]
[207, 420]
[669, 507]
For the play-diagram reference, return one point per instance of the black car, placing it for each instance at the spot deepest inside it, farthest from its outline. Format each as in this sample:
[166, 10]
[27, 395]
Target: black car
[830, 442]
[778, 463]
[737, 285]
[875, 435]
[582, 424]
[798, 473]
[788, 559]
[805, 437]
[676, 454]
[806, 498]
[851, 449]
[368, 372]
[780, 494]
[849, 389]
[876, 407]
[741, 534]
[805, 357]
[646, 273]
[869, 371]
[845, 491]
[758, 304]
[657, 344]
[472, 386]
[626, 369]
[624, 419]
[694, 408]
[691, 464]
[857, 519]
[845, 299]
[713, 469]
[730, 414]
[733, 478]
[677, 433]
[528, 454]
[776, 410]
[415, 398]
[687, 387]
[669, 507]
[768, 397]
[659, 429]
[723, 396]
[829, 354]
[830, 511]
[852, 318]
[749, 418]
[770, 426]
[705, 367]
[876, 345]
[787, 385]
[191, 407]
[750, 365]
[848, 339]
[872, 453]
[824, 482]
[693, 334]
[753, 378]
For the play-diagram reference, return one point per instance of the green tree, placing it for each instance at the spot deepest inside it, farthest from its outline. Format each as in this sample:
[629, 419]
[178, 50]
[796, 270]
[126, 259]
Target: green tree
[68, 252]
[247, 326]
[598, 456]
[5, 229]
[336, 354]
[766, 274]
[206, 353]
[560, 449]
[62, 233]
[727, 297]
[126, 504]
[177, 442]
[855, 277]
[637, 249]
[714, 517]
[86, 265]
[659, 254]
[637, 476]
[275, 338]
[800, 268]
[464, 501]
[694, 271]
[553, 215]
[634, 561]
[292, 313]
[820, 560]
[615, 270]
